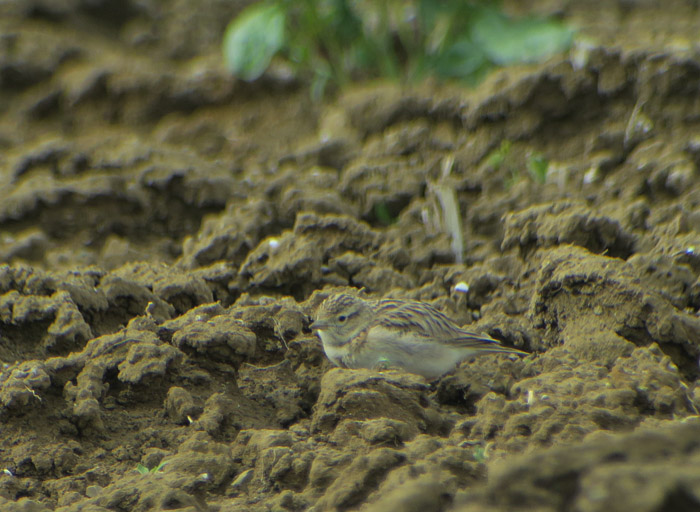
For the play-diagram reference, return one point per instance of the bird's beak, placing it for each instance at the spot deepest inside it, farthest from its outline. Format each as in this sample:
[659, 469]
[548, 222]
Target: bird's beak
[318, 326]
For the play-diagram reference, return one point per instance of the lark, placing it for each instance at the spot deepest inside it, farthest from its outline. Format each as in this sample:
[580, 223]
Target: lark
[400, 334]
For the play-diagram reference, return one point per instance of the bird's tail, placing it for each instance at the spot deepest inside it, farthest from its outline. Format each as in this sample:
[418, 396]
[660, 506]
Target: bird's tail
[484, 344]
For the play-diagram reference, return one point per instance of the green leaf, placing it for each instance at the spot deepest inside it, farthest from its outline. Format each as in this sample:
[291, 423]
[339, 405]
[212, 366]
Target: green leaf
[253, 38]
[159, 467]
[461, 60]
[141, 469]
[509, 41]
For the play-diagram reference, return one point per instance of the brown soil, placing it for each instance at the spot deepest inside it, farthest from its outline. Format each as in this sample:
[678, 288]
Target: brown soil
[166, 234]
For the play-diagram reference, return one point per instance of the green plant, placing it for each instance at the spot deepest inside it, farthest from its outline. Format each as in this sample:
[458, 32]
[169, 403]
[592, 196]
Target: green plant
[512, 161]
[479, 454]
[253, 39]
[383, 214]
[335, 41]
[537, 166]
[498, 156]
[145, 471]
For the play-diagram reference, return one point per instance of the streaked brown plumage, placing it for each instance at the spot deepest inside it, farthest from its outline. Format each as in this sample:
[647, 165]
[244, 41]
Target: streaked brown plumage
[359, 333]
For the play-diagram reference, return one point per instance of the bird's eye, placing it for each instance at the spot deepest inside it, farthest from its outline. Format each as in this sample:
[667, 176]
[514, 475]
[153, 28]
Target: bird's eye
[342, 318]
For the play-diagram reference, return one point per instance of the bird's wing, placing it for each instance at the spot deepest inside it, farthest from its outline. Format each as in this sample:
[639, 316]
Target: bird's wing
[424, 321]
[418, 317]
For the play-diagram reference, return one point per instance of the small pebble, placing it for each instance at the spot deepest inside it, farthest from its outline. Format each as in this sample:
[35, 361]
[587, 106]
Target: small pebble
[462, 287]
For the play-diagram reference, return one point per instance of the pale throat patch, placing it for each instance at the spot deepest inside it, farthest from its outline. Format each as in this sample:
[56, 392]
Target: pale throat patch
[332, 352]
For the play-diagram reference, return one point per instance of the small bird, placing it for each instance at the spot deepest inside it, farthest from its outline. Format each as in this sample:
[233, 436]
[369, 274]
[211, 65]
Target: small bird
[392, 333]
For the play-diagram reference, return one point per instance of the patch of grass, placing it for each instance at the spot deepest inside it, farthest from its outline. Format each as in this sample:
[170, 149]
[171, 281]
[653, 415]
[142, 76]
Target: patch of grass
[336, 41]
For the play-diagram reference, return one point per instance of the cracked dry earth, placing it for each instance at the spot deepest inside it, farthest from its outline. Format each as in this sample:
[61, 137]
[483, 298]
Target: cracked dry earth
[166, 234]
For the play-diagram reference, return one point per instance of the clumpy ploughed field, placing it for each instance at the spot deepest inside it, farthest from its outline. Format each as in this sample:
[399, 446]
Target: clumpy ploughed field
[166, 234]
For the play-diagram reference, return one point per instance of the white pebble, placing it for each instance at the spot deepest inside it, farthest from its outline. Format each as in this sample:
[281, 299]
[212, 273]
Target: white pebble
[462, 287]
